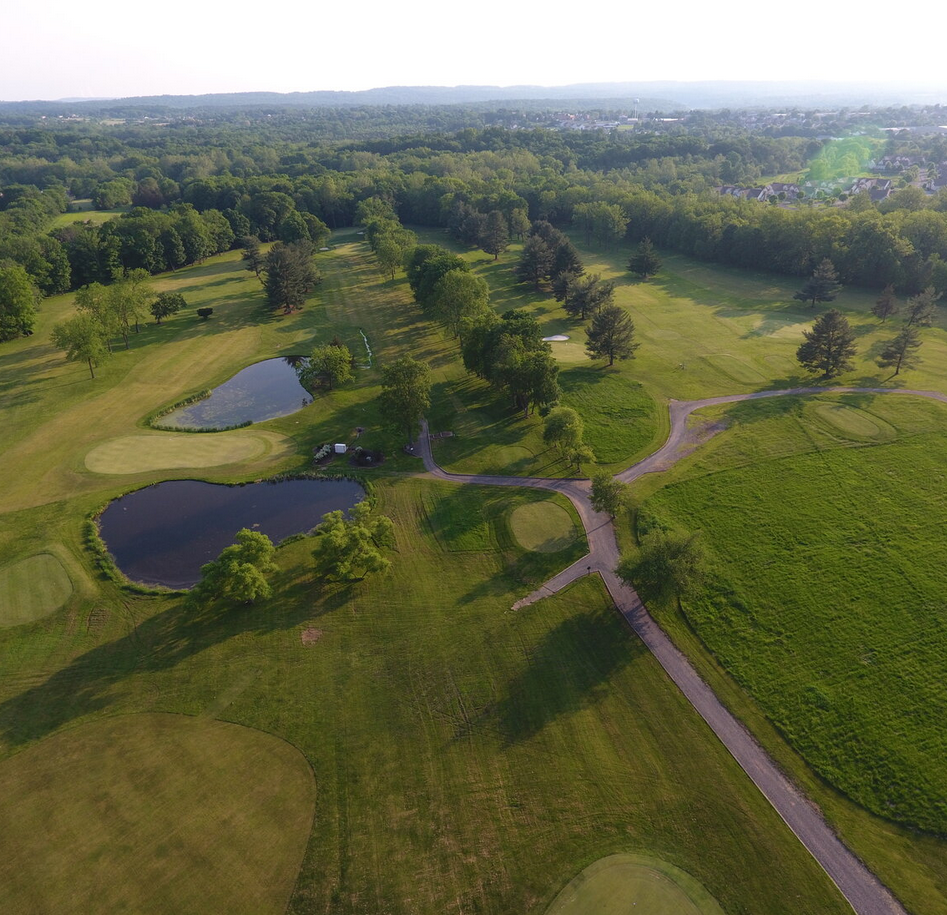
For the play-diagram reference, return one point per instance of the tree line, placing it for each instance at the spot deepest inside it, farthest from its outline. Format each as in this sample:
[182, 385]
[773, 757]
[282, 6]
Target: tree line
[198, 194]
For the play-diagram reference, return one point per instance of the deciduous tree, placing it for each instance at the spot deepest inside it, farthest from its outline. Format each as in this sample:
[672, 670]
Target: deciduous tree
[82, 339]
[329, 361]
[459, 297]
[239, 573]
[563, 429]
[670, 563]
[406, 394]
[18, 298]
[95, 301]
[349, 549]
[608, 494]
[167, 304]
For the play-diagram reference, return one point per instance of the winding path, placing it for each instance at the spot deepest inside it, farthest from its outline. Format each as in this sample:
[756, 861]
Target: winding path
[866, 894]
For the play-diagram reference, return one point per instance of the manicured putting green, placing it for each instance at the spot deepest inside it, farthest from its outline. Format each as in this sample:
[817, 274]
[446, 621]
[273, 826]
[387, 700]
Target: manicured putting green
[633, 885]
[153, 813]
[32, 588]
[179, 451]
[851, 422]
[543, 527]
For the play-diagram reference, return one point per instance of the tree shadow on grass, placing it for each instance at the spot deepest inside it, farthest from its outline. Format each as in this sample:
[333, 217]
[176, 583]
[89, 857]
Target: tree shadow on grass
[91, 681]
[569, 669]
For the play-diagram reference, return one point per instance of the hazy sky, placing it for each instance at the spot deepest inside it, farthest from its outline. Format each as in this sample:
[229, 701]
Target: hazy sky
[58, 49]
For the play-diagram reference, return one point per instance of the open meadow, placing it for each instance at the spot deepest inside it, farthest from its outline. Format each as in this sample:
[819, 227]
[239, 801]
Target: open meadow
[424, 748]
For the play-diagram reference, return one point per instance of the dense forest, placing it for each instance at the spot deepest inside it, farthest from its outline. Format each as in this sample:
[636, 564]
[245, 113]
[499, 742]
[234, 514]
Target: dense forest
[188, 187]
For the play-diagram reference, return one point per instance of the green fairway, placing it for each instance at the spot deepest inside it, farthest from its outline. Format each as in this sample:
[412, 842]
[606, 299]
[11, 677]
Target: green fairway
[633, 885]
[32, 588]
[153, 814]
[542, 526]
[170, 451]
[82, 211]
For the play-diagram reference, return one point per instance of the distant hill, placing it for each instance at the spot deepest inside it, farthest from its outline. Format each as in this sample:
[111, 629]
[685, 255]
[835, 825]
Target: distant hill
[666, 95]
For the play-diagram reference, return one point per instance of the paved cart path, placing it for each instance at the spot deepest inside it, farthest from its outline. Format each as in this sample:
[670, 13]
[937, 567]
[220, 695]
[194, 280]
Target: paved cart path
[866, 894]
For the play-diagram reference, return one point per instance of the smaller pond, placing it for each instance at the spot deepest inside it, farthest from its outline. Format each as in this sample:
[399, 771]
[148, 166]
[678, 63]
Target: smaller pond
[262, 391]
[555, 338]
[163, 534]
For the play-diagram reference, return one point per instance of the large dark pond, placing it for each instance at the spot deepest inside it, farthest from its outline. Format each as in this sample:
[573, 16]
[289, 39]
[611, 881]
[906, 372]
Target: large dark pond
[163, 534]
[261, 391]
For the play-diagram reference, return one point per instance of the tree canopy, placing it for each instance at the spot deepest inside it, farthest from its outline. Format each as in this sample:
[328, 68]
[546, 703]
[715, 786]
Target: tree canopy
[822, 286]
[510, 354]
[406, 394]
[829, 346]
[608, 494]
[289, 275]
[901, 352]
[645, 261]
[166, 304]
[611, 335]
[239, 573]
[670, 563]
[329, 361]
[18, 296]
[82, 339]
[563, 429]
[350, 548]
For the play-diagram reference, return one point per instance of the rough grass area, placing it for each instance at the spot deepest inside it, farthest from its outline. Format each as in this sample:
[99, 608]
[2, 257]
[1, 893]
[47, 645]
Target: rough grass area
[32, 588]
[620, 416]
[633, 885]
[830, 576]
[153, 814]
[542, 526]
[170, 451]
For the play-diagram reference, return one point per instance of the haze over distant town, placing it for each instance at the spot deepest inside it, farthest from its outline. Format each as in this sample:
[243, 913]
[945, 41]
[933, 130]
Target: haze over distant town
[57, 50]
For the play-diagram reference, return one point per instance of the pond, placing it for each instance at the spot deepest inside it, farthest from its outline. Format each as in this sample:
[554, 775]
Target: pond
[163, 534]
[261, 391]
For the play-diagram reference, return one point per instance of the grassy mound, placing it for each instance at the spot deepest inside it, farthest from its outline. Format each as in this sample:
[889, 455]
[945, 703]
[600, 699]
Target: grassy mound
[543, 527]
[153, 813]
[171, 451]
[633, 885]
[32, 588]
[851, 423]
